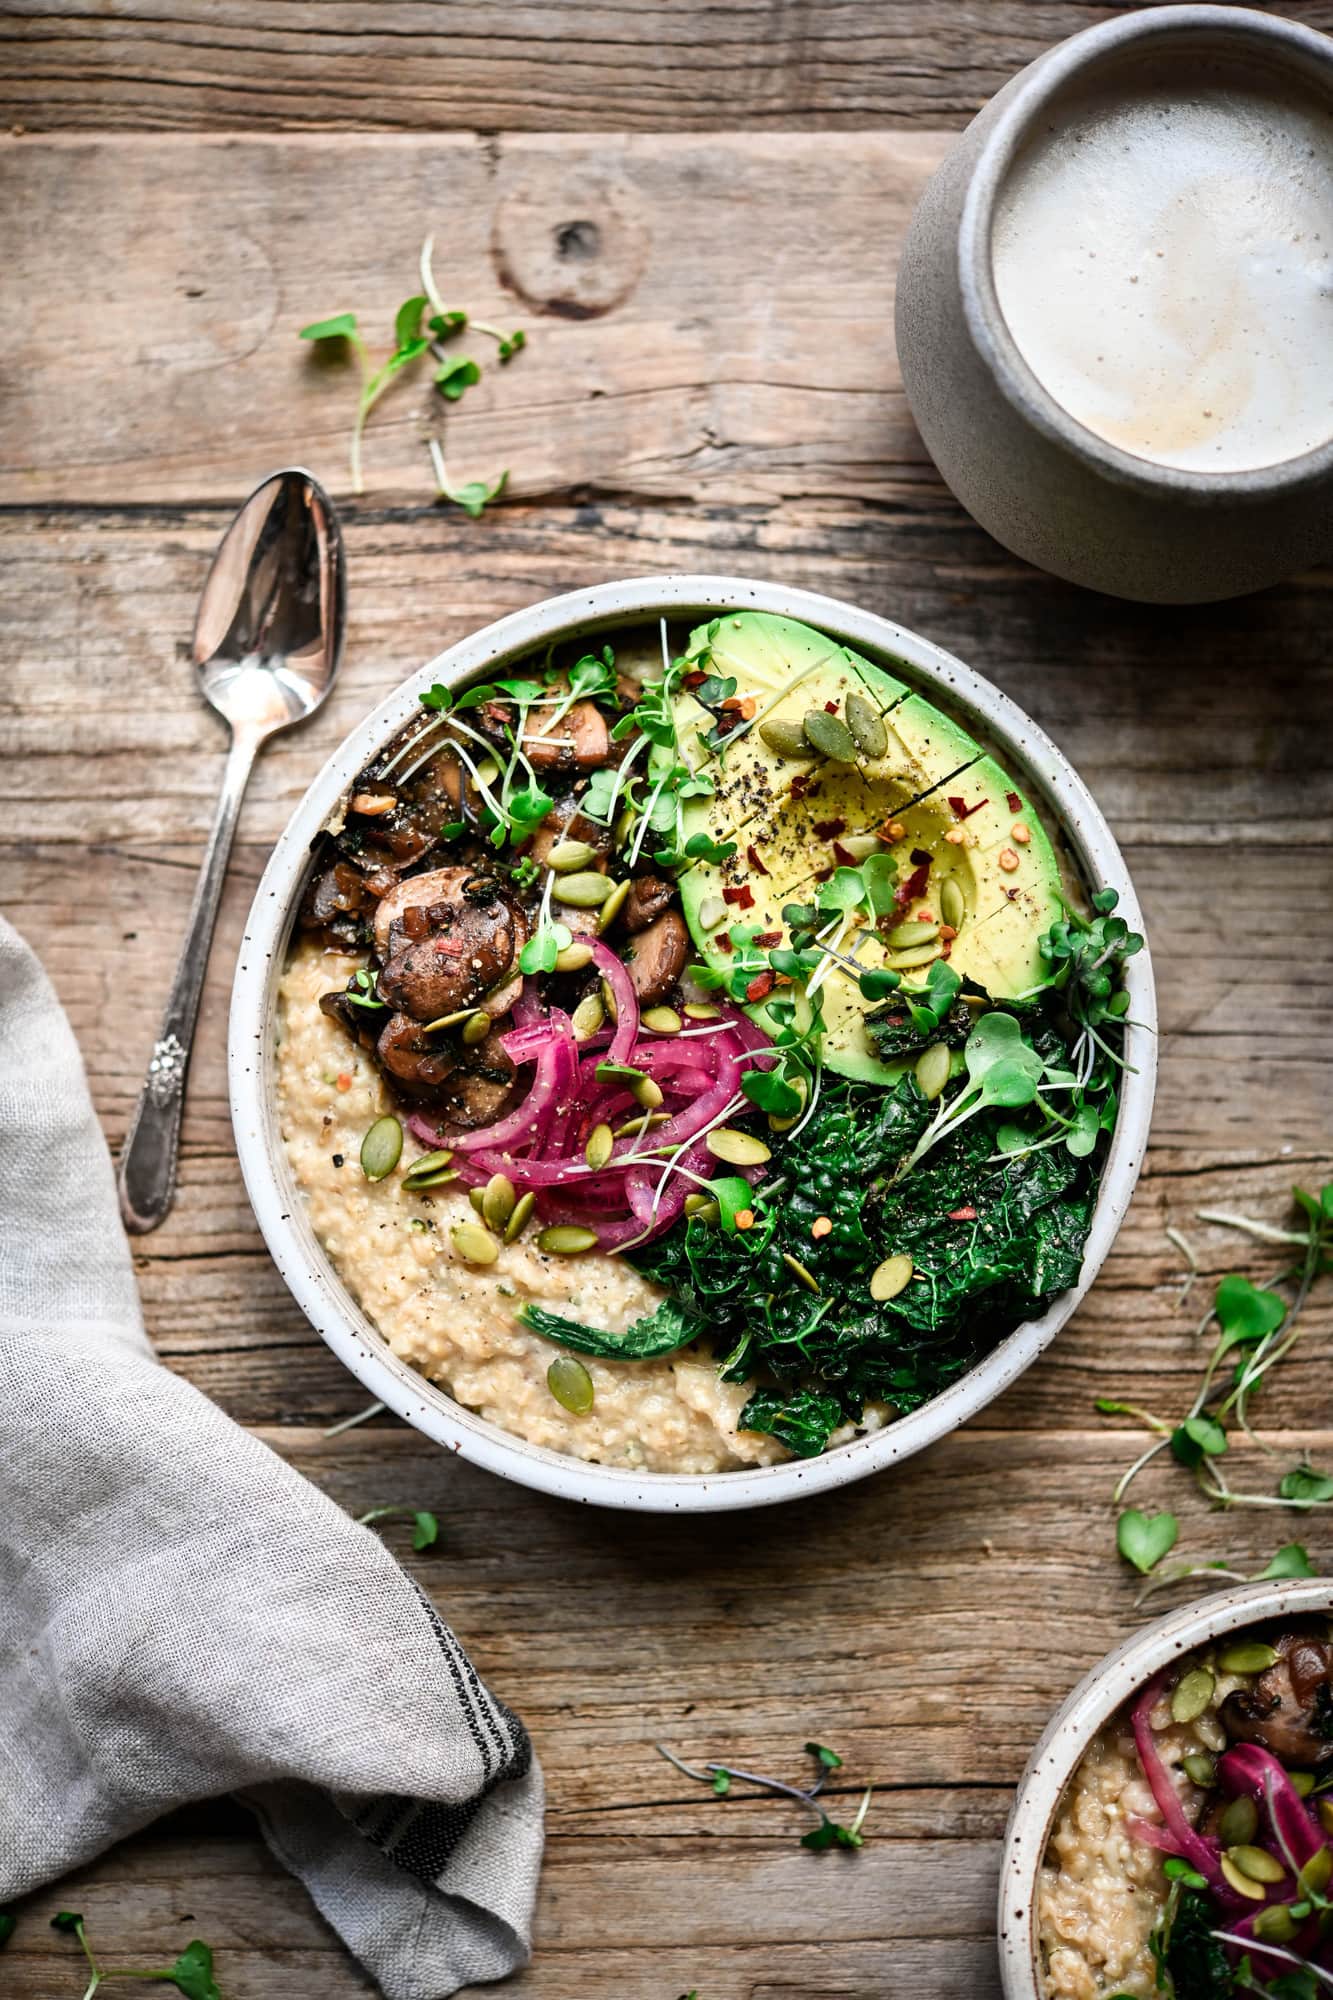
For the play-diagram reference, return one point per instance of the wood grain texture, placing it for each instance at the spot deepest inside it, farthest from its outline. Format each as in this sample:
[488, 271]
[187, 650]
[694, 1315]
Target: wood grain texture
[541, 65]
[721, 413]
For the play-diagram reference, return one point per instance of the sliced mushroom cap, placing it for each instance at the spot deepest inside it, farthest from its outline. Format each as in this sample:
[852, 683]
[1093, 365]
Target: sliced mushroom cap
[356, 1021]
[417, 1063]
[478, 1090]
[437, 888]
[656, 957]
[338, 891]
[1289, 1709]
[649, 895]
[580, 741]
[465, 948]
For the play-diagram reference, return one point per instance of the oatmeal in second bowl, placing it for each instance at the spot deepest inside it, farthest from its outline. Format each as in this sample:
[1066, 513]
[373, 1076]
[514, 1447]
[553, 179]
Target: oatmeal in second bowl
[1188, 1854]
[692, 1045]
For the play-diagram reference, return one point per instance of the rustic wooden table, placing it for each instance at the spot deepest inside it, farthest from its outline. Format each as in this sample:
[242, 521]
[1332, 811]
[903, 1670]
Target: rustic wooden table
[696, 211]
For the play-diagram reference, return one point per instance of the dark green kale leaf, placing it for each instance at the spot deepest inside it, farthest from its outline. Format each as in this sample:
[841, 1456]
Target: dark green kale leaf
[670, 1326]
[1196, 1962]
[804, 1422]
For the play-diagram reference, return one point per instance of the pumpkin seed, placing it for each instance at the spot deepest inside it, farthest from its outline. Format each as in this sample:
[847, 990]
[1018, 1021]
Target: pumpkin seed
[422, 1172]
[699, 1010]
[913, 957]
[742, 1149]
[566, 1239]
[903, 936]
[523, 1208]
[477, 1029]
[1247, 1656]
[584, 891]
[567, 855]
[953, 907]
[381, 1147]
[609, 1001]
[474, 1244]
[1302, 1783]
[574, 956]
[598, 1149]
[645, 1123]
[448, 1020]
[474, 1196]
[787, 738]
[662, 1020]
[571, 1385]
[648, 1094]
[612, 907]
[830, 736]
[497, 1201]
[1315, 1874]
[889, 1278]
[1200, 1769]
[1275, 1925]
[710, 1212]
[1239, 1822]
[712, 910]
[1191, 1694]
[1243, 1884]
[587, 1017]
[1326, 1815]
[932, 1071]
[488, 770]
[861, 845]
[1257, 1863]
[696, 1203]
[799, 1272]
[624, 827]
[866, 724]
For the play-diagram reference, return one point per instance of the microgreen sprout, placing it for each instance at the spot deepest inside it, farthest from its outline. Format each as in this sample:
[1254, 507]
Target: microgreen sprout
[425, 1526]
[1086, 957]
[826, 1833]
[191, 1973]
[409, 344]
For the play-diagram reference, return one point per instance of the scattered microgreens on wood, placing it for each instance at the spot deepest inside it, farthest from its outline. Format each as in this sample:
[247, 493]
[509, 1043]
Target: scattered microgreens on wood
[453, 376]
[425, 1528]
[350, 1423]
[191, 1974]
[1256, 1328]
[826, 1833]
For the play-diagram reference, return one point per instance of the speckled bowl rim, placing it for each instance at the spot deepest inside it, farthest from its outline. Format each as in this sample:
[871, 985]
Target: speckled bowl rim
[1070, 64]
[281, 1213]
[1071, 1729]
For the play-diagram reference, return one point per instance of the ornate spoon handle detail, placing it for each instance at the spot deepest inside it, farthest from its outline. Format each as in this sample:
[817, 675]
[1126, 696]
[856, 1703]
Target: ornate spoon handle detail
[147, 1173]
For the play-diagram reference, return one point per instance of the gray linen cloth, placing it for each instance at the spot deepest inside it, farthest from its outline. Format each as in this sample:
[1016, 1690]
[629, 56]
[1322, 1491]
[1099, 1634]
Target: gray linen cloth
[182, 1615]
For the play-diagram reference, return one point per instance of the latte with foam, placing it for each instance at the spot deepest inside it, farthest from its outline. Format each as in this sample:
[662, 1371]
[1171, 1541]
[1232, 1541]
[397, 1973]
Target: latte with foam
[1163, 257]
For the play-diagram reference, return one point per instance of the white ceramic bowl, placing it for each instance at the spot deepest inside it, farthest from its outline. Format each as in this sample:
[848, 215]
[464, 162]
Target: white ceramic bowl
[277, 1203]
[1096, 1698]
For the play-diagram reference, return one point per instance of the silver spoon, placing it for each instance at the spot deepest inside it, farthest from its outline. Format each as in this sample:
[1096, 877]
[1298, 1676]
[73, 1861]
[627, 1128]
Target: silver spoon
[267, 640]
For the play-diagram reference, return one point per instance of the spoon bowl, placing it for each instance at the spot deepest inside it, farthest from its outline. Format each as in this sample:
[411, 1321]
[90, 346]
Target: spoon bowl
[268, 637]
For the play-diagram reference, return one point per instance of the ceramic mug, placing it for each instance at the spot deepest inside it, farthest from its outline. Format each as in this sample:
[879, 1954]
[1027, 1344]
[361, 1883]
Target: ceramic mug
[1041, 482]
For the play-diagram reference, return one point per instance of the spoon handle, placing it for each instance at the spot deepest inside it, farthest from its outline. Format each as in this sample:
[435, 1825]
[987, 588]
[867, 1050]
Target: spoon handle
[147, 1173]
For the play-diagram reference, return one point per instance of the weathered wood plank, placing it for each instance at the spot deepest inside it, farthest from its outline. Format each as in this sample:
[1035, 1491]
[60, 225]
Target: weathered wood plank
[547, 65]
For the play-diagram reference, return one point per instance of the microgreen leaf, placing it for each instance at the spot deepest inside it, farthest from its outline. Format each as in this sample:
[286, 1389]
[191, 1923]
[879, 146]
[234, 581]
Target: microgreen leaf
[1143, 1540]
[407, 323]
[1197, 1438]
[8, 1925]
[830, 1759]
[192, 1973]
[1291, 1560]
[339, 326]
[1304, 1487]
[879, 983]
[475, 496]
[453, 377]
[1244, 1312]
[769, 1091]
[721, 1784]
[67, 1920]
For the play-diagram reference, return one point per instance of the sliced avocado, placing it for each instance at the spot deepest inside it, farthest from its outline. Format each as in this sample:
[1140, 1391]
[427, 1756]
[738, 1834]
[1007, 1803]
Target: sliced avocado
[932, 794]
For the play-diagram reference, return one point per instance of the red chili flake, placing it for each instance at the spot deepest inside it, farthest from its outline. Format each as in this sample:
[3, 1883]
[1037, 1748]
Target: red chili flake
[914, 886]
[723, 942]
[694, 679]
[921, 857]
[760, 986]
[893, 1020]
[450, 947]
[752, 856]
[766, 938]
[843, 856]
[829, 829]
[830, 708]
[965, 1214]
[1012, 894]
[799, 786]
[740, 894]
[1014, 803]
[823, 874]
[962, 810]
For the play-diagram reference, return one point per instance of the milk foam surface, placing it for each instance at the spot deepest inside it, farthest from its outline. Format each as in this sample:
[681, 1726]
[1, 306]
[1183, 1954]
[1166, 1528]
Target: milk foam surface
[1165, 265]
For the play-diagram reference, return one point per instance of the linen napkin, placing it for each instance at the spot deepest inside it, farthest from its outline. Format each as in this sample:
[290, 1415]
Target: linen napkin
[182, 1615]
